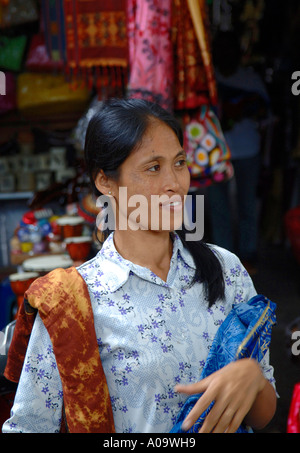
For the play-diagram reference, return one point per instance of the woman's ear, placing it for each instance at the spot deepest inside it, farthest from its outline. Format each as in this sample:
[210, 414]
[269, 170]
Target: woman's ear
[102, 183]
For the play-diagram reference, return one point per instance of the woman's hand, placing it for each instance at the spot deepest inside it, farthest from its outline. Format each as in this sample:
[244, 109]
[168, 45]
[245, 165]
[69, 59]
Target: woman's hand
[234, 389]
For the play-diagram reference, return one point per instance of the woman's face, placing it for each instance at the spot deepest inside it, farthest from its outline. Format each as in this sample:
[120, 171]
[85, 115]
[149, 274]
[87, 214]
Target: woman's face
[152, 182]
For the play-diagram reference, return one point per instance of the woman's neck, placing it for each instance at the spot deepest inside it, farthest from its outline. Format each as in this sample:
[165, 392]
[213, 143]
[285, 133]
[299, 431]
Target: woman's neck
[151, 249]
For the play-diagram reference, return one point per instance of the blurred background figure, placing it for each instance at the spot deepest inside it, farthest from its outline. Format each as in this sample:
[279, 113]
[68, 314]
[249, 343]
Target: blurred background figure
[244, 102]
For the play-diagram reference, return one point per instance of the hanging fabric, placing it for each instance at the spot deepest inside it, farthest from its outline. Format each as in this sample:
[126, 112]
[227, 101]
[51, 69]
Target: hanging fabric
[194, 76]
[38, 59]
[91, 38]
[199, 14]
[52, 25]
[46, 51]
[150, 51]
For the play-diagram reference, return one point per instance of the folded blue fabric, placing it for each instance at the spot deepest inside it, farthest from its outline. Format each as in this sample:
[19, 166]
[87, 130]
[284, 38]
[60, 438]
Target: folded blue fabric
[246, 332]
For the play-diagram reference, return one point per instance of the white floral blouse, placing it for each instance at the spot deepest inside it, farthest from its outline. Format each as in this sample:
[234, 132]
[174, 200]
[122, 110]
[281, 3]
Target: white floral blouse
[152, 334]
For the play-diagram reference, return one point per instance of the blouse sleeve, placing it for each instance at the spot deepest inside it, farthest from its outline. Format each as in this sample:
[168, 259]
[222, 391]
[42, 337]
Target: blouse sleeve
[38, 402]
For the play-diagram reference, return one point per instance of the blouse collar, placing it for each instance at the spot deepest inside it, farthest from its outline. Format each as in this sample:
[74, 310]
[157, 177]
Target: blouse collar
[117, 269]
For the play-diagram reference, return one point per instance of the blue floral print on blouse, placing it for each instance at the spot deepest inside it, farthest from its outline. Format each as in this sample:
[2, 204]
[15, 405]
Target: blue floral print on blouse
[152, 334]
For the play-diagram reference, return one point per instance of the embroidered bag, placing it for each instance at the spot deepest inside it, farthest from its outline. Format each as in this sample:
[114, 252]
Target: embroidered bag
[208, 155]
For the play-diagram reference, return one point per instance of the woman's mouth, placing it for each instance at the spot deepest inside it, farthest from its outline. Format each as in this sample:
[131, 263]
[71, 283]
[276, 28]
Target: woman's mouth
[175, 204]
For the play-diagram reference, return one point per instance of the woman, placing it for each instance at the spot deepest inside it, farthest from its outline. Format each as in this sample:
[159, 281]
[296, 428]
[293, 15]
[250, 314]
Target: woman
[157, 298]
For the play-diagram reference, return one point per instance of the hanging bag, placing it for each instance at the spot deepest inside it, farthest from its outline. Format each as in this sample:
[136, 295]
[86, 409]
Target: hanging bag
[208, 155]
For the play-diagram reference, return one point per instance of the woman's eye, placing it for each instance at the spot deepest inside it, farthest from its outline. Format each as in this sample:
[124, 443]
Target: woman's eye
[154, 168]
[180, 163]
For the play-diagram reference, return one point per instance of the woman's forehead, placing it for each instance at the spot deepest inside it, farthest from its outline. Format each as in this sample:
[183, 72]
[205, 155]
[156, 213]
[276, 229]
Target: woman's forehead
[158, 136]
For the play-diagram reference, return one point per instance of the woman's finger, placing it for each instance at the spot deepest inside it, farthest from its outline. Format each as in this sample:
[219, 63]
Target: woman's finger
[192, 389]
[219, 420]
[229, 421]
[201, 405]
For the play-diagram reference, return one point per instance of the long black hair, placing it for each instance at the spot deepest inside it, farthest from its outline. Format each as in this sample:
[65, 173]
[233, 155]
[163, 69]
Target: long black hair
[113, 132]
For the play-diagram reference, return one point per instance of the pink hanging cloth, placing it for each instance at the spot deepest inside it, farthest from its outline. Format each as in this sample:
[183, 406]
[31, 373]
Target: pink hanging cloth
[150, 51]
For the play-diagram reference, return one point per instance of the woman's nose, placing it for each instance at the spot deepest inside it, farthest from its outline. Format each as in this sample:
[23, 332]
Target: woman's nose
[170, 181]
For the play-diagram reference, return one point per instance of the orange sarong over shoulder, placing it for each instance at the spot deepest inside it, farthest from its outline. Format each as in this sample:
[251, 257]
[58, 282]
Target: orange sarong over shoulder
[62, 299]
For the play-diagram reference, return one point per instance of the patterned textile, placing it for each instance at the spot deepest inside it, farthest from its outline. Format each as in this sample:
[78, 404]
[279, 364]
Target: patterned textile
[208, 155]
[62, 300]
[199, 14]
[150, 51]
[246, 332]
[95, 33]
[38, 59]
[53, 28]
[193, 71]
[90, 36]
[18, 346]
